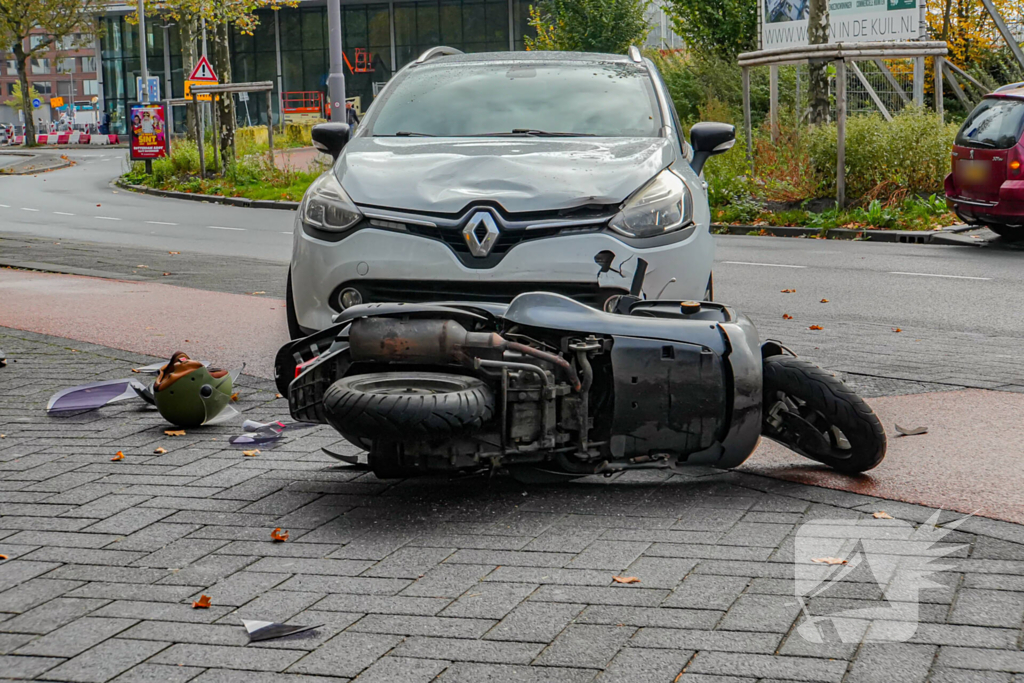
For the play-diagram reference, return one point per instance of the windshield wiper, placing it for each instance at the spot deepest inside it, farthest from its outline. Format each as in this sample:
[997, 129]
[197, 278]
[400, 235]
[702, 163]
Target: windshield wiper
[412, 134]
[549, 134]
[531, 131]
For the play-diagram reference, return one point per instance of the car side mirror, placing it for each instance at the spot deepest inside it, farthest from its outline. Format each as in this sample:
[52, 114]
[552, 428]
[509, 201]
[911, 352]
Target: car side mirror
[709, 138]
[330, 138]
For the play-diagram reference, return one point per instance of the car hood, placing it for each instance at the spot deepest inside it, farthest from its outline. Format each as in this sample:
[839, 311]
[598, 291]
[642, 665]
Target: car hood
[522, 175]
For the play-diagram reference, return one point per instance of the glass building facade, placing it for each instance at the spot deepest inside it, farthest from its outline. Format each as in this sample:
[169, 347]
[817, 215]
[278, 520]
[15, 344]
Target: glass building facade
[378, 40]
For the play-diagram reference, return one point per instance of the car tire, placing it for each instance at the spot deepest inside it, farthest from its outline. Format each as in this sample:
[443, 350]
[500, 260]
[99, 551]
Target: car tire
[827, 404]
[1008, 233]
[294, 330]
[400, 406]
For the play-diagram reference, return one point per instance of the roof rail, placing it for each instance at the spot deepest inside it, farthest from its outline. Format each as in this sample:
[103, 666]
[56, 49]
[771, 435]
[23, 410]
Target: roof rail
[634, 54]
[438, 51]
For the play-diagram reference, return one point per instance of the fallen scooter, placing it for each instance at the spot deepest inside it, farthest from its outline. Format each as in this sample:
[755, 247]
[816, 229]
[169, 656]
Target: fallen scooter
[547, 388]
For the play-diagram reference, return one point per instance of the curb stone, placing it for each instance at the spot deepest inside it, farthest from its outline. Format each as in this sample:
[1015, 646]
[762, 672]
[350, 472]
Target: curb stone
[210, 198]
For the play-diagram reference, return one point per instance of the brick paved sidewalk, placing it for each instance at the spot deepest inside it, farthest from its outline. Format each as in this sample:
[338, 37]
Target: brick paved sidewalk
[428, 579]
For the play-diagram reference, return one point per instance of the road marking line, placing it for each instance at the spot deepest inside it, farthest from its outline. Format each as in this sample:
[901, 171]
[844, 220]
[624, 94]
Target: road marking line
[6, 206]
[63, 213]
[772, 265]
[160, 223]
[956, 277]
[221, 227]
[106, 218]
[27, 209]
[287, 233]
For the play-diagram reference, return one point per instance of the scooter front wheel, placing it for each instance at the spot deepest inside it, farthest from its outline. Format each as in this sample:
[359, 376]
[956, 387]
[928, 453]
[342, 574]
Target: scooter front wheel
[813, 413]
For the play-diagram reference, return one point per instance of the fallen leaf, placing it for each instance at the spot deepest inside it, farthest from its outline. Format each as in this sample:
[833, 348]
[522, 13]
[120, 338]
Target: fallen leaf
[160, 450]
[824, 301]
[99, 205]
[202, 603]
[278, 535]
[828, 560]
[278, 396]
[173, 253]
[788, 291]
[787, 316]
[142, 266]
[234, 396]
[911, 431]
[815, 327]
[174, 432]
[166, 274]
[882, 514]
[119, 456]
[3, 557]
[251, 453]
[678, 676]
[625, 579]
[897, 329]
[135, 369]
[255, 293]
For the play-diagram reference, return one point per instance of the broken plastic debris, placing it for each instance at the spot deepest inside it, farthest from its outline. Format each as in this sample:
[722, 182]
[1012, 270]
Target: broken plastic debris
[265, 630]
[911, 431]
[93, 395]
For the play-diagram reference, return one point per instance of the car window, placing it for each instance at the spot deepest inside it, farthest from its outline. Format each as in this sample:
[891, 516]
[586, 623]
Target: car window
[453, 100]
[994, 124]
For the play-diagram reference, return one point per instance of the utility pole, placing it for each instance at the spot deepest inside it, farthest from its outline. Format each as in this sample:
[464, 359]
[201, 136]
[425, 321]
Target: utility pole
[145, 71]
[336, 76]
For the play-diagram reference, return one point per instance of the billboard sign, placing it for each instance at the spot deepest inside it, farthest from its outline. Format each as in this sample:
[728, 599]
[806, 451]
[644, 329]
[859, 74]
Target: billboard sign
[784, 22]
[148, 128]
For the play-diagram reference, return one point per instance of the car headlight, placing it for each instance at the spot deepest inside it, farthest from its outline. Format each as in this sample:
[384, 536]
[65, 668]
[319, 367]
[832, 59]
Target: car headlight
[661, 206]
[328, 207]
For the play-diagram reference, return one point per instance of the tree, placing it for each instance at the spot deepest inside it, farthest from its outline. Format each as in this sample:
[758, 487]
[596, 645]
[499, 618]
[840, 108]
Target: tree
[219, 16]
[51, 24]
[723, 28]
[17, 103]
[589, 25]
[817, 69]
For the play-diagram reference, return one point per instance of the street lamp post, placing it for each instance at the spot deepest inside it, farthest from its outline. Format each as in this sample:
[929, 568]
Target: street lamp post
[145, 72]
[336, 76]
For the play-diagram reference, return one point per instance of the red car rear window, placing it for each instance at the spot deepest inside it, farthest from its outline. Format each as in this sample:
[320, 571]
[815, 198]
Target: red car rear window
[994, 124]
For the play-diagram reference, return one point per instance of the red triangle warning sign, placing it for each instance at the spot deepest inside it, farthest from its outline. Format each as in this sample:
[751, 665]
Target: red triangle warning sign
[203, 71]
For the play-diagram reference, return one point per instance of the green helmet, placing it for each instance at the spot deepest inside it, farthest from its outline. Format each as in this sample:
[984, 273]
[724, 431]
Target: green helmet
[188, 394]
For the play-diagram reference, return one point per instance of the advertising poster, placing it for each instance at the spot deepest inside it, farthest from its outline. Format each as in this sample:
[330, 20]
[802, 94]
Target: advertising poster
[148, 127]
[784, 22]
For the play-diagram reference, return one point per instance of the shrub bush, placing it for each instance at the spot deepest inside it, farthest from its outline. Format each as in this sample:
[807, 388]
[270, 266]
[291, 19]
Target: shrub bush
[888, 161]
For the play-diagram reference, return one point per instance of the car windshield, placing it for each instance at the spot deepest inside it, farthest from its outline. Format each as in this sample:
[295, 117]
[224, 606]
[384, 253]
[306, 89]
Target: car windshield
[528, 99]
[995, 124]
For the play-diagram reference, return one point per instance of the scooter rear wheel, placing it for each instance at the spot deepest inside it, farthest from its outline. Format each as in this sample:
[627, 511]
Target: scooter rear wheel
[812, 412]
[401, 406]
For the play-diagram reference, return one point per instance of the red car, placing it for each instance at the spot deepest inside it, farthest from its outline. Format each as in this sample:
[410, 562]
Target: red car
[986, 185]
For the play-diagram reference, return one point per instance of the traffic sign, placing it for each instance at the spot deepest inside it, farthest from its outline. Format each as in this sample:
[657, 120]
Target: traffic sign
[154, 88]
[36, 102]
[200, 98]
[203, 72]
[56, 102]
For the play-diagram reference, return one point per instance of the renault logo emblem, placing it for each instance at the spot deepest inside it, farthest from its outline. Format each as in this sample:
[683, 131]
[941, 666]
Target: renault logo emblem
[481, 232]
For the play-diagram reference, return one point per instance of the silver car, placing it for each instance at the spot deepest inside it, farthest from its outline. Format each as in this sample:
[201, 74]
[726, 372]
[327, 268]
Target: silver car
[477, 177]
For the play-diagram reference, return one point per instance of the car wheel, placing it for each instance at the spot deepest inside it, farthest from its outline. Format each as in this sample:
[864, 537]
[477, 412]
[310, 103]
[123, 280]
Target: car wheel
[294, 331]
[1008, 233]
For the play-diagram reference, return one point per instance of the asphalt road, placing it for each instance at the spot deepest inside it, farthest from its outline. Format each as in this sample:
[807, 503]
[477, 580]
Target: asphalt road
[958, 309]
[80, 203]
